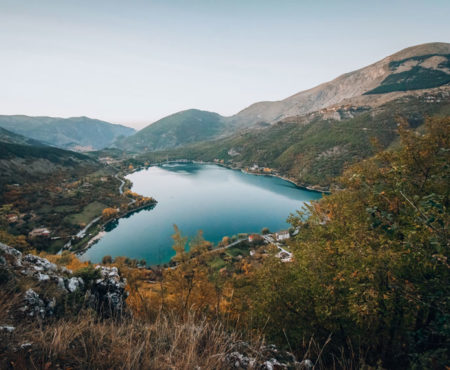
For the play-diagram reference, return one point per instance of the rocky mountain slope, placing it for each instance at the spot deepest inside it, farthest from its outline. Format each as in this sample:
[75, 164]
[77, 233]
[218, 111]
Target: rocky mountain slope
[418, 67]
[77, 133]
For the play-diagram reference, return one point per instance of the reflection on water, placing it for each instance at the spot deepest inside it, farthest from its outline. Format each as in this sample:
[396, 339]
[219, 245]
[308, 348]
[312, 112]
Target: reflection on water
[217, 200]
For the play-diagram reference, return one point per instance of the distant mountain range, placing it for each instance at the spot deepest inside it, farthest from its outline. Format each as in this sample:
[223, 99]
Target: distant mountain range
[77, 133]
[418, 68]
[309, 137]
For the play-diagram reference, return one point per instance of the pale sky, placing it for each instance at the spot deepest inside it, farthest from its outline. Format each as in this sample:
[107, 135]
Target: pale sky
[133, 62]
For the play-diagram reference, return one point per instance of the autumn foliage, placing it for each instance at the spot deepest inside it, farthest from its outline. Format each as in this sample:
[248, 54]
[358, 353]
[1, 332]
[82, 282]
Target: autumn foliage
[109, 213]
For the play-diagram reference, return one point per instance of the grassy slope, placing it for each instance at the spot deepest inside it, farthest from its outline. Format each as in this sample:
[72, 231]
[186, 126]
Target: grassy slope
[178, 129]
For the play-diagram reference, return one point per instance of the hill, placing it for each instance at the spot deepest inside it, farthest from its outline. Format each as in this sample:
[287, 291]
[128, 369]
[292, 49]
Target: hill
[178, 129]
[12, 138]
[24, 163]
[77, 133]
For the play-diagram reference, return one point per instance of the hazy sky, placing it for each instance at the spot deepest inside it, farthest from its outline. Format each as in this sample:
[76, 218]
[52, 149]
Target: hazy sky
[133, 62]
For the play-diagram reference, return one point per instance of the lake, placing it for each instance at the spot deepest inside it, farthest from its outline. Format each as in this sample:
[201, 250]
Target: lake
[217, 200]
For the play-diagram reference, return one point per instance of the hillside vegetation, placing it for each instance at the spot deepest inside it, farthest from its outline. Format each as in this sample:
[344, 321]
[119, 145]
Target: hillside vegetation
[76, 133]
[178, 129]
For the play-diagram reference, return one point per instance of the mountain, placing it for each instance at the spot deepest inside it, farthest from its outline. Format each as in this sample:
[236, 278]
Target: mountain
[12, 138]
[418, 67]
[313, 149]
[178, 129]
[77, 133]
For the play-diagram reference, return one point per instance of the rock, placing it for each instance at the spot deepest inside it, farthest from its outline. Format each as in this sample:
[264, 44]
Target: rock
[109, 291]
[306, 364]
[7, 328]
[267, 357]
[106, 294]
[34, 306]
[74, 284]
[39, 263]
[25, 345]
[61, 284]
[43, 277]
[17, 255]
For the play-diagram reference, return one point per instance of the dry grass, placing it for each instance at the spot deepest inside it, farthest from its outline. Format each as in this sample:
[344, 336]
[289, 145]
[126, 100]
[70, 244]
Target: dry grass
[85, 343]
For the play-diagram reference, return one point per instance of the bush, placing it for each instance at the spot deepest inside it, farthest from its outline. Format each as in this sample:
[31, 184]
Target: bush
[88, 274]
[107, 260]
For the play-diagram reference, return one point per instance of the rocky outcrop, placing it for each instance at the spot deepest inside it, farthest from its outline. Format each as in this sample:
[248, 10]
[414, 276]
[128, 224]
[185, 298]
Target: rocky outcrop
[52, 285]
[109, 291]
[269, 357]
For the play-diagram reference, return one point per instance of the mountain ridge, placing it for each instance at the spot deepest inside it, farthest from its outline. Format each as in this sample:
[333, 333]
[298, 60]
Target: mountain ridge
[400, 74]
[75, 133]
[327, 93]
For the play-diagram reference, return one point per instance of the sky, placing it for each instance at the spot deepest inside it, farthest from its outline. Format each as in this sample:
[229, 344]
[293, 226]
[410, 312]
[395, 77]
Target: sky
[133, 62]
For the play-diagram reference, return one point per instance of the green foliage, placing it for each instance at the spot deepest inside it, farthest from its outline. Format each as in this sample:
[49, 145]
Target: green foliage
[371, 262]
[88, 274]
[414, 79]
[177, 129]
[265, 231]
[107, 260]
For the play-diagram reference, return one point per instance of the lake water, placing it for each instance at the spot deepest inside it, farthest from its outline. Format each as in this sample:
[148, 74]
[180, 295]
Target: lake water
[217, 200]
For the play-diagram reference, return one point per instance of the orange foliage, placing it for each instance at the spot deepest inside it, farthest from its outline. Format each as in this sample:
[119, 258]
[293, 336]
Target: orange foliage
[109, 213]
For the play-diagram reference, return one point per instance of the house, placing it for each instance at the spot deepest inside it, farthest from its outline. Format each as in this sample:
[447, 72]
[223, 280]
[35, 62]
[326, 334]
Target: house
[282, 235]
[42, 231]
[12, 218]
[252, 237]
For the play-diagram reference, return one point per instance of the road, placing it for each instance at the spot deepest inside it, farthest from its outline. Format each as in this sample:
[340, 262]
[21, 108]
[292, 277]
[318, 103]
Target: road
[122, 183]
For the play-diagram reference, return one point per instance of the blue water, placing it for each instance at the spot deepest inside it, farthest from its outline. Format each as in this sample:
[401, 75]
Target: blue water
[217, 200]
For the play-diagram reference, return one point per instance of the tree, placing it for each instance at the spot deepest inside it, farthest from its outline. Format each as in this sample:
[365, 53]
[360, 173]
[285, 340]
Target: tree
[109, 213]
[107, 260]
[179, 245]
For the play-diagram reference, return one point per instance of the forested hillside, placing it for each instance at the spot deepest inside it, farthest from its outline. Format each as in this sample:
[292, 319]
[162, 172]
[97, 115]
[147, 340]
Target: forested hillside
[76, 133]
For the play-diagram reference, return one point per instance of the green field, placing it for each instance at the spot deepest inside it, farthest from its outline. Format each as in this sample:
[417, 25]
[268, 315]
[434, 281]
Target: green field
[89, 212]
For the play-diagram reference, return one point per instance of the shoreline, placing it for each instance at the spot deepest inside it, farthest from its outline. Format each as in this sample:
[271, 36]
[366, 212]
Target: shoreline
[293, 182]
[97, 236]
[101, 232]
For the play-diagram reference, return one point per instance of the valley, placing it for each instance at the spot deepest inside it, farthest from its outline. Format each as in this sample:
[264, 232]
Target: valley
[313, 227]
